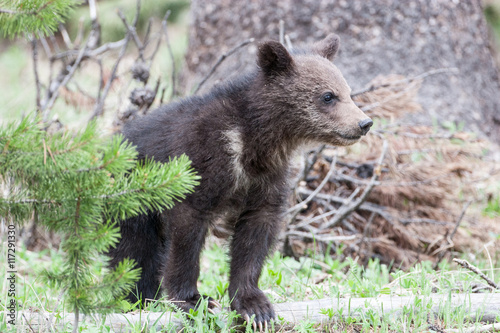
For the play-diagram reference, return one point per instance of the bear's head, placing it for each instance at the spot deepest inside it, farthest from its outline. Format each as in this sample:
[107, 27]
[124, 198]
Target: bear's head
[310, 94]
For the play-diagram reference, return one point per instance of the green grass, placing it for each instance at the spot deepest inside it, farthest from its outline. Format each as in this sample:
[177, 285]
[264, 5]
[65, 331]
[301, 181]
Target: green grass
[283, 280]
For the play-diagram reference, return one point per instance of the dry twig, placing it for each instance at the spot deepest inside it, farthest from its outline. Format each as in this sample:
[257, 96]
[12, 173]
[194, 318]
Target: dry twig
[53, 93]
[450, 238]
[325, 180]
[406, 80]
[99, 106]
[467, 265]
[34, 47]
[171, 54]
[221, 59]
[345, 210]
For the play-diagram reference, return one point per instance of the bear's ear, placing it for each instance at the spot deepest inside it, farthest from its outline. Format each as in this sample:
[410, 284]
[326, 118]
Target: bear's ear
[327, 47]
[273, 58]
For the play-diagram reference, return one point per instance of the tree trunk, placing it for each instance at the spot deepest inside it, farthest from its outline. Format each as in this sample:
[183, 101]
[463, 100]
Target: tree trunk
[378, 37]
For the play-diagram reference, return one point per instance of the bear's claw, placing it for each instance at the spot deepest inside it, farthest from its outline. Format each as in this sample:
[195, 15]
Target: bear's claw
[193, 303]
[256, 305]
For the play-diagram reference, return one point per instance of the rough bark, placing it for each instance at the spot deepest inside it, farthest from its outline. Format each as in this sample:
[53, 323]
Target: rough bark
[379, 37]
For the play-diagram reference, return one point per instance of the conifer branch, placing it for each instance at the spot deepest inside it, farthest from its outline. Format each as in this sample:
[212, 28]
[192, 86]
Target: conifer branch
[41, 18]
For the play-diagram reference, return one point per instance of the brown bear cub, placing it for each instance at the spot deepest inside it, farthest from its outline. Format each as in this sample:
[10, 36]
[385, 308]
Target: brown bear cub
[240, 138]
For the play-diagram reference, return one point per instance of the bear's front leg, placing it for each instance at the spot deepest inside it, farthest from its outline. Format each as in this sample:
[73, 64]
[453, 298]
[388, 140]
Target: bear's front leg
[255, 233]
[185, 239]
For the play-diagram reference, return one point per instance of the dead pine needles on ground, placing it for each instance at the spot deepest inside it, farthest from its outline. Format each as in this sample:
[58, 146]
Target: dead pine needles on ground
[403, 193]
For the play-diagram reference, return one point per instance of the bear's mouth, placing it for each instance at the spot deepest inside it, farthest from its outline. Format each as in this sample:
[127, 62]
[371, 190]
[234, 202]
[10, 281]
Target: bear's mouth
[350, 137]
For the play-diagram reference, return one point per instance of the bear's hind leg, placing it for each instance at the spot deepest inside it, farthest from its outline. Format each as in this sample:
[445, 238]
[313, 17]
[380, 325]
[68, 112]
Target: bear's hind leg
[187, 229]
[142, 240]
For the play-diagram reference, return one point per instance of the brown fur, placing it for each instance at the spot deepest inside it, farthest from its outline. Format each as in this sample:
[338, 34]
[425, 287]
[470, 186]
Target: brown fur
[240, 138]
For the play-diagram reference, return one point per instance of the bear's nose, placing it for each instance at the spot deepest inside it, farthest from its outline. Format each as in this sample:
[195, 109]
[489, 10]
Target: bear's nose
[365, 125]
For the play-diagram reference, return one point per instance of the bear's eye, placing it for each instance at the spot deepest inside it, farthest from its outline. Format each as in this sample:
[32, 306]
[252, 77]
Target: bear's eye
[328, 97]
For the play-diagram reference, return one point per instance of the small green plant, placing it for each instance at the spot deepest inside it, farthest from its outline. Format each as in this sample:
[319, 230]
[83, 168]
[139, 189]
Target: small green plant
[492, 208]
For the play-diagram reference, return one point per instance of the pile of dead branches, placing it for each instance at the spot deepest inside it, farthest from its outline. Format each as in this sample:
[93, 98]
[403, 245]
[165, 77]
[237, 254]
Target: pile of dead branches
[405, 193]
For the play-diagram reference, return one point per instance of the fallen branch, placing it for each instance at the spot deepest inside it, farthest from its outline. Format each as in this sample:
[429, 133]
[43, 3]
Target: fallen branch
[477, 329]
[367, 206]
[450, 238]
[325, 180]
[486, 304]
[344, 211]
[322, 238]
[467, 265]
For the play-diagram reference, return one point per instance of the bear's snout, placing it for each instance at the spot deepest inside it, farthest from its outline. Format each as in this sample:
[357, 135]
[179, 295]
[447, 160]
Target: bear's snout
[365, 125]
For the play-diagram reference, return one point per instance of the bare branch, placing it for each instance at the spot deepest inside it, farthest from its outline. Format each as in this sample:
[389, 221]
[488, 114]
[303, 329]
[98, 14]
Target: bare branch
[29, 325]
[450, 238]
[309, 164]
[99, 106]
[345, 210]
[367, 206]
[429, 221]
[325, 180]
[34, 47]
[288, 42]
[101, 79]
[96, 27]
[46, 47]
[323, 238]
[148, 31]
[137, 12]
[55, 45]
[79, 34]
[171, 54]
[282, 32]
[221, 59]
[462, 214]
[53, 92]
[385, 100]
[92, 10]
[406, 80]
[65, 36]
[467, 265]
[90, 53]
[133, 33]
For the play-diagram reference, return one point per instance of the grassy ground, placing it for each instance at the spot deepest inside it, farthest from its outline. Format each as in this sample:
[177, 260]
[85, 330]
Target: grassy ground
[283, 280]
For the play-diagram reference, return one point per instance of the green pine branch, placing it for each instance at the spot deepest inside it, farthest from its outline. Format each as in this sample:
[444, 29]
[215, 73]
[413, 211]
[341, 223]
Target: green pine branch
[39, 17]
[79, 185]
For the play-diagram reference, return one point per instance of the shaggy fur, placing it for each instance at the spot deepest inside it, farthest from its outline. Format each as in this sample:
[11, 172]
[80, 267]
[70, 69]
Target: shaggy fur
[240, 138]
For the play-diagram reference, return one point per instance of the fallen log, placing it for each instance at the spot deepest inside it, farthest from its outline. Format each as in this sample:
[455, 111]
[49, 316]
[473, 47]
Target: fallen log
[483, 307]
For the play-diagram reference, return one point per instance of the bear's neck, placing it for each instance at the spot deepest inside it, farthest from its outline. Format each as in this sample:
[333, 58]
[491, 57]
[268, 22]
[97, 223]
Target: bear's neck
[267, 142]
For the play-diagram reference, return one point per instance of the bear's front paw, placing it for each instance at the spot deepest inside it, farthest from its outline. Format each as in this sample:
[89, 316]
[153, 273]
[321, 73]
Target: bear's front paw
[193, 302]
[254, 304]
